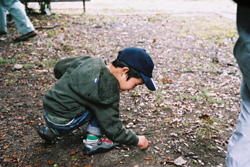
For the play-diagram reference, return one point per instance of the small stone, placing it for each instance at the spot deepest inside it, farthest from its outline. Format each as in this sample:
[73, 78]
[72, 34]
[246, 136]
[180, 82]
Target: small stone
[18, 66]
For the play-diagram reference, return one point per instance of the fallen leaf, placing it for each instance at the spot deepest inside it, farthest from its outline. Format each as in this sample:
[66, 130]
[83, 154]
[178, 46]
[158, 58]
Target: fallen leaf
[170, 80]
[210, 121]
[157, 148]
[210, 94]
[72, 153]
[38, 164]
[120, 161]
[204, 116]
[163, 80]
[7, 146]
[149, 158]
[50, 162]
[39, 149]
[7, 159]
[85, 157]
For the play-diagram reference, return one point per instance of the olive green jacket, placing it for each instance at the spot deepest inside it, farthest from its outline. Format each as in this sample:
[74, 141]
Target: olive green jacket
[85, 82]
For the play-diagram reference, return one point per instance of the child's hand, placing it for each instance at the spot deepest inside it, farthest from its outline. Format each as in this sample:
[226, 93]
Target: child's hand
[143, 142]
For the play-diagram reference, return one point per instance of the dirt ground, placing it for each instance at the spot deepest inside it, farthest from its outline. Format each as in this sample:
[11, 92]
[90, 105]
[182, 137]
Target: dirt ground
[188, 120]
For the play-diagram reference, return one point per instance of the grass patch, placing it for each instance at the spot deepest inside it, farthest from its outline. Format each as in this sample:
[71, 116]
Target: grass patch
[28, 66]
[3, 61]
[50, 63]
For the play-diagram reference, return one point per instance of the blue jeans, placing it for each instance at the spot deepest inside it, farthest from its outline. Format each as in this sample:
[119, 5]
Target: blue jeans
[238, 152]
[16, 9]
[77, 122]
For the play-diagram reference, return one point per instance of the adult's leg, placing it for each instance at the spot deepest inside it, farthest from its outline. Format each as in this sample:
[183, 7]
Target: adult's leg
[3, 21]
[19, 15]
[238, 152]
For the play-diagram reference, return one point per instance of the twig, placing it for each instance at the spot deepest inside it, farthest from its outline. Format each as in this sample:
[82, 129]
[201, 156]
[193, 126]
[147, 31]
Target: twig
[29, 77]
[15, 105]
[193, 71]
[45, 27]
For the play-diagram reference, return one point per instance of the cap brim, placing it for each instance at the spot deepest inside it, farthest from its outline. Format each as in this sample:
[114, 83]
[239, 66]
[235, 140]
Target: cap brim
[148, 82]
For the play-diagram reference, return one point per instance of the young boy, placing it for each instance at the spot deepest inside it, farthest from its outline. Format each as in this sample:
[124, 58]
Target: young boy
[89, 91]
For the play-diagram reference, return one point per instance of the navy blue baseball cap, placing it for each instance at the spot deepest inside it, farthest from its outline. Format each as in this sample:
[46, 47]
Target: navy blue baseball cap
[140, 60]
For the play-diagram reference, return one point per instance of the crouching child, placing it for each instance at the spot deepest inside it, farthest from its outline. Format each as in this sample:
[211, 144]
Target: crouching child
[88, 91]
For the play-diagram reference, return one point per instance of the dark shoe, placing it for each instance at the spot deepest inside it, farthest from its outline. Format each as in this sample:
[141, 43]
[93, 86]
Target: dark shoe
[99, 147]
[26, 36]
[3, 32]
[46, 134]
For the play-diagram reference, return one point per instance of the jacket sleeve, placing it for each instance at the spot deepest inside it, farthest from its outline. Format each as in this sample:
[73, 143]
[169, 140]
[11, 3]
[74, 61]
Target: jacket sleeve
[112, 126]
[62, 66]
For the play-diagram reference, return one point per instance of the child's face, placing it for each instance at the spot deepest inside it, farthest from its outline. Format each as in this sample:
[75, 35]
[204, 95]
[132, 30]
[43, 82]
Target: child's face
[121, 75]
[129, 84]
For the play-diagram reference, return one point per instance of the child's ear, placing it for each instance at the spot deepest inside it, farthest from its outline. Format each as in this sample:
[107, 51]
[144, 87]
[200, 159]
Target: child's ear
[124, 70]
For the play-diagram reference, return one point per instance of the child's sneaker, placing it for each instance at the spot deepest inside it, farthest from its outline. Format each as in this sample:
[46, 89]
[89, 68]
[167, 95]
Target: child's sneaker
[46, 134]
[99, 147]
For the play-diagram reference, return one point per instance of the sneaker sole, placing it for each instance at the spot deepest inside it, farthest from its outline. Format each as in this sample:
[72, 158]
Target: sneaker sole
[99, 150]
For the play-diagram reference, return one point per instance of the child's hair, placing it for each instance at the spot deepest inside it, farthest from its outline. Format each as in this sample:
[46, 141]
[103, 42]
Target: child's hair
[132, 73]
